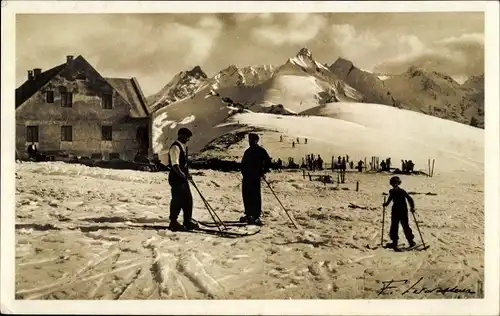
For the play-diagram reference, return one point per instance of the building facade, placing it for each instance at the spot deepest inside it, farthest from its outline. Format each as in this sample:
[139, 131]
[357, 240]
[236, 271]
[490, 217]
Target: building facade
[72, 109]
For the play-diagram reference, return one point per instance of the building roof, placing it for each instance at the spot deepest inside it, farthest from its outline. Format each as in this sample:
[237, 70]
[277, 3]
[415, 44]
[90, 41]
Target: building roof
[128, 89]
[30, 87]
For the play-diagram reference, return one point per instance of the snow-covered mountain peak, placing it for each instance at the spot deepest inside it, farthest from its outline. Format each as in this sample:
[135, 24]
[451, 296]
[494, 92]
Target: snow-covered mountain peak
[305, 60]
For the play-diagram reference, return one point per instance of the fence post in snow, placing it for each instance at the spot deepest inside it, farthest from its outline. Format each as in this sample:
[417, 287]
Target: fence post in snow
[432, 171]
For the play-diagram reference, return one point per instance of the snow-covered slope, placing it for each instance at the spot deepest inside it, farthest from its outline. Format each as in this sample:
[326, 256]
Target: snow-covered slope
[322, 85]
[299, 85]
[183, 85]
[367, 83]
[246, 76]
[91, 233]
[305, 61]
[200, 113]
[364, 130]
[423, 90]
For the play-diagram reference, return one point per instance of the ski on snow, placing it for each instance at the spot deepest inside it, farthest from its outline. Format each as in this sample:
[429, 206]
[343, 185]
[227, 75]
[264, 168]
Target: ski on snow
[417, 247]
[225, 233]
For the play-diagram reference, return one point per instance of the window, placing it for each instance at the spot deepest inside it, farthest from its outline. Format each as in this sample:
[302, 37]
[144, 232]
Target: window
[32, 134]
[66, 133]
[66, 99]
[96, 156]
[107, 133]
[107, 101]
[50, 96]
[114, 156]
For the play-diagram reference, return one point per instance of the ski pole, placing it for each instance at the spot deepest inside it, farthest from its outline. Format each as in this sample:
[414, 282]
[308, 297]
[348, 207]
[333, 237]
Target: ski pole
[418, 228]
[383, 224]
[213, 214]
[293, 222]
[209, 208]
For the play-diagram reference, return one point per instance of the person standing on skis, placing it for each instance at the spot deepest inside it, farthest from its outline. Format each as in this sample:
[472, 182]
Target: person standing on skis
[179, 178]
[254, 165]
[399, 213]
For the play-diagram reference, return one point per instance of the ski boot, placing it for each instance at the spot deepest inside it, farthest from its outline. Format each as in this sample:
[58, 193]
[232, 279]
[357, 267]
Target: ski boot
[175, 226]
[190, 225]
[391, 245]
[255, 221]
[397, 249]
[411, 244]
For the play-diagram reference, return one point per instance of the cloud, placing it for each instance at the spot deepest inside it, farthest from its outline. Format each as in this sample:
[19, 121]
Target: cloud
[155, 47]
[477, 38]
[352, 44]
[246, 17]
[458, 56]
[200, 38]
[298, 28]
[118, 45]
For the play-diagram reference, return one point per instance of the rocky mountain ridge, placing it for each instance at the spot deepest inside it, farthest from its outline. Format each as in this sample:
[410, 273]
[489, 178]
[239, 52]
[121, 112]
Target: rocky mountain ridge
[417, 89]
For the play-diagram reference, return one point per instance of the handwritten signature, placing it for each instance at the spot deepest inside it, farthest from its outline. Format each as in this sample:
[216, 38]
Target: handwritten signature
[388, 286]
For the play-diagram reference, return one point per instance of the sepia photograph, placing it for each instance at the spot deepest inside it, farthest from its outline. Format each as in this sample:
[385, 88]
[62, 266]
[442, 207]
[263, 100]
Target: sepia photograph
[229, 153]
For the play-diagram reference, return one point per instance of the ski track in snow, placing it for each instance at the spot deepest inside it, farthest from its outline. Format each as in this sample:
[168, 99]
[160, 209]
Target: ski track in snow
[113, 243]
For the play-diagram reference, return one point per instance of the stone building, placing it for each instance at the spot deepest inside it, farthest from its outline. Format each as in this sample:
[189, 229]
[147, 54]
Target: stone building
[72, 109]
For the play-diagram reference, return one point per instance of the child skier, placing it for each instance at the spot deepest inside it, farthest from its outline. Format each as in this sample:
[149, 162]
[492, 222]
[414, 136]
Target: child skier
[399, 213]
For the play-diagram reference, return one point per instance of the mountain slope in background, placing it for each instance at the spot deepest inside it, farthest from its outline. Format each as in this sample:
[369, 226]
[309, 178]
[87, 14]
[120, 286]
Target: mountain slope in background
[183, 85]
[369, 84]
[434, 93]
[364, 130]
[475, 93]
[300, 86]
[419, 90]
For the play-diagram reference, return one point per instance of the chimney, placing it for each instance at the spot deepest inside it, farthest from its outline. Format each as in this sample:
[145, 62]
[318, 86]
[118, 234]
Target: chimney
[36, 73]
[69, 60]
[30, 75]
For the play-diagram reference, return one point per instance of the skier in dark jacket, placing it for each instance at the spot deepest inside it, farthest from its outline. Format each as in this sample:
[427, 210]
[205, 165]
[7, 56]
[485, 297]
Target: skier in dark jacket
[399, 213]
[254, 165]
[179, 178]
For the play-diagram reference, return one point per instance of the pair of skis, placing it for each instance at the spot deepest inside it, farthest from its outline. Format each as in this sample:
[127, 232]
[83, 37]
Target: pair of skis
[416, 247]
[223, 229]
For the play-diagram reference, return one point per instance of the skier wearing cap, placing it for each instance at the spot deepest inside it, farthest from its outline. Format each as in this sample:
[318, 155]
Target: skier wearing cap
[178, 178]
[255, 163]
[399, 213]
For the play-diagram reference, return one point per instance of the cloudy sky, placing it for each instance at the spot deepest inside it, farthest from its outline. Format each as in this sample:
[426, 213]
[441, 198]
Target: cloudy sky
[155, 47]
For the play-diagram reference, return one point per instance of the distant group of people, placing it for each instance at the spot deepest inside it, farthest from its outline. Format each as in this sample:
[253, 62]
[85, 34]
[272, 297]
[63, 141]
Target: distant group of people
[385, 165]
[341, 163]
[277, 165]
[296, 141]
[407, 166]
[313, 163]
